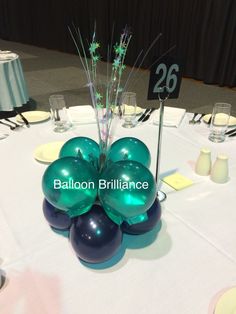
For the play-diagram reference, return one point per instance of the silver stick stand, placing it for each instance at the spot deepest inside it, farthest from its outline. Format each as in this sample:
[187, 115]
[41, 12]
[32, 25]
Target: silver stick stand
[160, 194]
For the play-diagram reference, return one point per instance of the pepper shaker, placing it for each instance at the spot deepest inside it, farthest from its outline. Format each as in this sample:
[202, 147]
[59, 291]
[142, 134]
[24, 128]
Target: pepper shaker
[203, 164]
[220, 171]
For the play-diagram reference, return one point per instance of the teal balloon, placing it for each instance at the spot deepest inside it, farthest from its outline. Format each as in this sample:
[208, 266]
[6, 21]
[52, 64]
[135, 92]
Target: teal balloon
[70, 184]
[130, 148]
[127, 189]
[82, 147]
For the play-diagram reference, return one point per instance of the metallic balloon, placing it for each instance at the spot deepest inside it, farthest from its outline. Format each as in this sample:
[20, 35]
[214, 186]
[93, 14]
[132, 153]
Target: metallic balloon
[129, 148]
[94, 237]
[82, 147]
[126, 189]
[55, 217]
[70, 184]
[153, 216]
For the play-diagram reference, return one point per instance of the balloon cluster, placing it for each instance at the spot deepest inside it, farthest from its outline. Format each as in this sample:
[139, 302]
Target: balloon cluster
[95, 205]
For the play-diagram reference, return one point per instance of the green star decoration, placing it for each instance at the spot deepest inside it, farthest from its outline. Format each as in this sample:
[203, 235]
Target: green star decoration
[98, 96]
[119, 50]
[116, 63]
[96, 58]
[99, 105]
[122, 68]
[93, 47]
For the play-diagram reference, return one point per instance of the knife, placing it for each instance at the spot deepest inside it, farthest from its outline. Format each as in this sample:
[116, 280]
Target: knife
[233, 134]
[230, 132]
[209, 121]
[144, 114]
[148, 115]
[23, 118]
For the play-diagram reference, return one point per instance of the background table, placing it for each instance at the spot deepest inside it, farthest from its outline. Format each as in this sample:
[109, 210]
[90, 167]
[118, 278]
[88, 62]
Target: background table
[176, 270]
[13, 88]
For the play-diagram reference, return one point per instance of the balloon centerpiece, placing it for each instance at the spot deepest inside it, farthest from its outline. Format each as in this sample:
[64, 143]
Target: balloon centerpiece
[99, 191]
[98, 206]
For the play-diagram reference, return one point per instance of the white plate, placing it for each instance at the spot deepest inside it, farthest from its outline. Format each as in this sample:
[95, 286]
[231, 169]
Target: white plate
[232, 120]
[227, 302]
[48, 152]
[34, 116]
[139, 110]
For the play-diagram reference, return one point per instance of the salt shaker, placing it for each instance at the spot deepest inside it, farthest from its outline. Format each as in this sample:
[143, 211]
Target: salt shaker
[203, 164]
[220, 170]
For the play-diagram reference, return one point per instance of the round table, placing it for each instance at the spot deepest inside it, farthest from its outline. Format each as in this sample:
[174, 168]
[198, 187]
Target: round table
[13, 88]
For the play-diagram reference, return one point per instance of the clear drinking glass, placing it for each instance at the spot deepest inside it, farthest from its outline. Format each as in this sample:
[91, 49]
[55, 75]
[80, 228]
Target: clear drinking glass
[219, 122]
[128, 104]
[59, 113]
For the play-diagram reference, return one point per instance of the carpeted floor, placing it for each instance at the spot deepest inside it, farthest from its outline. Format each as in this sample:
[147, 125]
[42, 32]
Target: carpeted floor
[51, 72]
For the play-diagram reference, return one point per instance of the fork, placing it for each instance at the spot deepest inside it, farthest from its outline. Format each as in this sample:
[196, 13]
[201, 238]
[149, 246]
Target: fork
[10, 126]
[15, 124]
[192, 121]
[198, 121]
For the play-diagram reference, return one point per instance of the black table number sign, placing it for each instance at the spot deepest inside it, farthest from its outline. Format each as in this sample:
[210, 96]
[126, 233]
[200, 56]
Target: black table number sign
[167, 72]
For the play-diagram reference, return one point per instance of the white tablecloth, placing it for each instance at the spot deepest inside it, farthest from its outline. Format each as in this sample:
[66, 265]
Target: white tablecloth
[191, 259]
[13, 88]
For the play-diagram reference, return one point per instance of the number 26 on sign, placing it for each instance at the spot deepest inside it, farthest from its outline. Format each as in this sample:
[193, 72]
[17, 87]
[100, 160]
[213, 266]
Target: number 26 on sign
[167, 72]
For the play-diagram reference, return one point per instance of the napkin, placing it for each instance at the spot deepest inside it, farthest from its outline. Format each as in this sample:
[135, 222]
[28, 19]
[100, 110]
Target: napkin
[177, 181]
[82, 114]
[172, 116]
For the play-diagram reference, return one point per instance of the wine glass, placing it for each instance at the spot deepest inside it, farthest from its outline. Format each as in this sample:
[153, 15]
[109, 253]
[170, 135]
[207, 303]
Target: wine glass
[128, 105]
[59, 113]
[219, 122]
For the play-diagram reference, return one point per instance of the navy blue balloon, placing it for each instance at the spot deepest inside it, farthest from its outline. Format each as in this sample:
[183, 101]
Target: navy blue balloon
[55, 217]
[94, 237]
[154, 215]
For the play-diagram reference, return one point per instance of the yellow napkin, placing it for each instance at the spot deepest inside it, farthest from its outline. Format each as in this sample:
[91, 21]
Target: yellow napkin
[177, 181]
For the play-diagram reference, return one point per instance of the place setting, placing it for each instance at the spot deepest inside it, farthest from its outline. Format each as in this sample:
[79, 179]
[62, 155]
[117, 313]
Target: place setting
[22, 121]
[8, 124]
[63, 119]
[221, 123]
[197, 118]
[12, 125]
[217, 127]
[134, 116]
[32, 117]
[48, 152]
